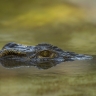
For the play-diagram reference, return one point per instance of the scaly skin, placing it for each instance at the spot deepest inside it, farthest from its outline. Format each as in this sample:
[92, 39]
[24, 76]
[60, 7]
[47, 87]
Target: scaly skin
[40, 54]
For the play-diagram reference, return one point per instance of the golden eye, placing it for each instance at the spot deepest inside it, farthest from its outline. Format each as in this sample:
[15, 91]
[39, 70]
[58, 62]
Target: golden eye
[47, 53]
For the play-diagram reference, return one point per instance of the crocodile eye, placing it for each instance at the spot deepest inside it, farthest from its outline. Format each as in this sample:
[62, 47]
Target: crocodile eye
[47, 53]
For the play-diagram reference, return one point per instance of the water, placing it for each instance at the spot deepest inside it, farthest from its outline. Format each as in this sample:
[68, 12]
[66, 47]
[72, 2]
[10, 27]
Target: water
[76, 78]
[65, 79]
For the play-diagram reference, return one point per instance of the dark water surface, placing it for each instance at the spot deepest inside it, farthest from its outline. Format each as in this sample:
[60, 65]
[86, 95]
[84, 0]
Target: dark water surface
[57, 22]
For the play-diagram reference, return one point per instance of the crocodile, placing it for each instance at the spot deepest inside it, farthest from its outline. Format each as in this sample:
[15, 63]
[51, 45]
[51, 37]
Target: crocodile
[43, 55]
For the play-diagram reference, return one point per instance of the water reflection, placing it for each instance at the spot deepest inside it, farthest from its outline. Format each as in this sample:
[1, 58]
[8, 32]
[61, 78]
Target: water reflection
[13, 63]
[69, 67]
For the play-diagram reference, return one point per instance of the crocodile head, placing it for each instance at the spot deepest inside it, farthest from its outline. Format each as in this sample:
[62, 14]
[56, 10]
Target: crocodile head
[42, 55]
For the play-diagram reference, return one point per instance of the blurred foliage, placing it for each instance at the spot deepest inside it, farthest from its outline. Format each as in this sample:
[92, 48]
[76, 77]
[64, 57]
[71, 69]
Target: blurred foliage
[27, 14]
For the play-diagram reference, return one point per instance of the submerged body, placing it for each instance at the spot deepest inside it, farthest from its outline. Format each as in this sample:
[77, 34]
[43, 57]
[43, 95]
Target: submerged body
[35, 55]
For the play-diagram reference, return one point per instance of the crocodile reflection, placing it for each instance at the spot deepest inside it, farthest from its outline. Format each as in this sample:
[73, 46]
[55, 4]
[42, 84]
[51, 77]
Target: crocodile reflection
[8, 63]
[42, 56]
